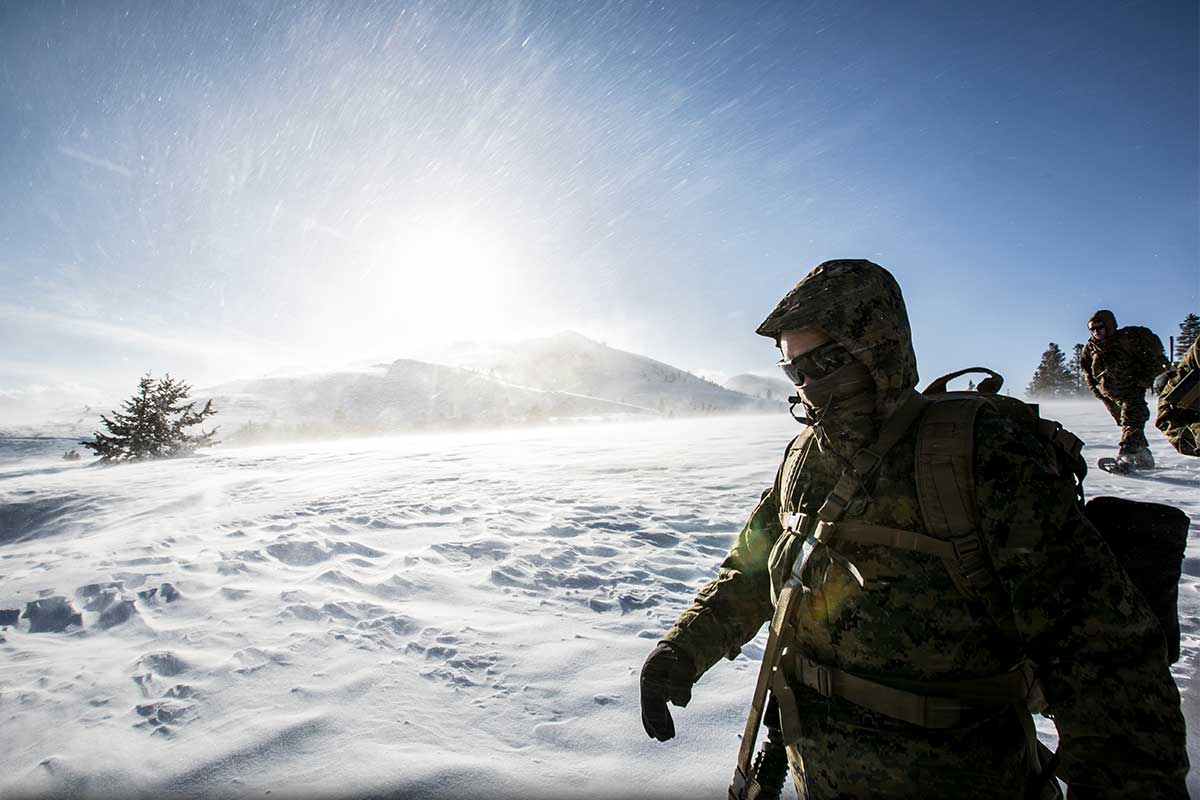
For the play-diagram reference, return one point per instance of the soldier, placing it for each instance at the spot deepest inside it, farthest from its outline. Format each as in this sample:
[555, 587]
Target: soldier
[894, 682]
[1179, 404]
[1119, 364]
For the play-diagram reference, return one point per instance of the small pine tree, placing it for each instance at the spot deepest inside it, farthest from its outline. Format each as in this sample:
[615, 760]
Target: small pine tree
[153, 424]
[1075, 368]
[1052, 378]
[1189, 331]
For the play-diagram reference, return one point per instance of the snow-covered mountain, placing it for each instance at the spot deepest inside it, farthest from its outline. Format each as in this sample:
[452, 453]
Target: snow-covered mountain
[561, 377]
[760, 386]
[570, 362]
[405, 395]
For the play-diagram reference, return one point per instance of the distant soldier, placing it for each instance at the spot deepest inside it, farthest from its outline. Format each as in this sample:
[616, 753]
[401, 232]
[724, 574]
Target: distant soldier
[1119, 365]
[921, 560]
[1179, 404]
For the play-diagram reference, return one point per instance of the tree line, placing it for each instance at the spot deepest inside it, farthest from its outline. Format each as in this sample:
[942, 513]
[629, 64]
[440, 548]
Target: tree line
[1059, 375]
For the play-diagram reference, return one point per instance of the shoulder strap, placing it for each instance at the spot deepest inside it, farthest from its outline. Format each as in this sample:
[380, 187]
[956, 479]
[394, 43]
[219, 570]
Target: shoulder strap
[864, 463]
[946, 492]
[945, 466]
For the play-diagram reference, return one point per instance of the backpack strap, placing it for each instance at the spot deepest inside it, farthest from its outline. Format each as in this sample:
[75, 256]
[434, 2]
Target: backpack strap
[864, 463]
[929, 704]
[1070, 447]
[945, 466]
[946, 491]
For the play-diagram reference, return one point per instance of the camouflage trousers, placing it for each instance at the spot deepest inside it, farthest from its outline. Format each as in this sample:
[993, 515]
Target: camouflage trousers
[847, 752]
[1185, 438]
[1132, 414]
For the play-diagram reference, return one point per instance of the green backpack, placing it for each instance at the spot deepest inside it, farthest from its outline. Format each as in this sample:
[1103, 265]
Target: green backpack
[1147, 539]
[1146, 351]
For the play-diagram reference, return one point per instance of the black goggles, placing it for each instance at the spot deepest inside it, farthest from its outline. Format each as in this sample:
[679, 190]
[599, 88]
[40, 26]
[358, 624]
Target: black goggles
[822, 360]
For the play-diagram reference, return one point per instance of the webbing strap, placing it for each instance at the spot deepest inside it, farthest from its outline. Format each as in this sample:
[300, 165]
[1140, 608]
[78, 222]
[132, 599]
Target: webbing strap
[945, 468]
[946, 491]
[865, 533]
[864, 463]
[1068, 444]
[963, 555]
[1053, 430]
[933, 704]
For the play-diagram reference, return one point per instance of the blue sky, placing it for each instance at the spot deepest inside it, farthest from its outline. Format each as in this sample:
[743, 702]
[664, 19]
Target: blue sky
[221, 190]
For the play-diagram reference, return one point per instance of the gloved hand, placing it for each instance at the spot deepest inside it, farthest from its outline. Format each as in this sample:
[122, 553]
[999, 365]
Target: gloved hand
[1160, 382]
[668, 674]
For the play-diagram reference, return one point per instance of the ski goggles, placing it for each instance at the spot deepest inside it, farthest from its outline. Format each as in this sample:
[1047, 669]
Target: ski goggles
[817, 363]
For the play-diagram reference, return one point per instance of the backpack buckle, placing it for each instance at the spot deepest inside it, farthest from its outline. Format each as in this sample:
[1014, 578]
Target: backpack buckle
[965, 547]
[819, 679]
[825, 531]
[795, 521]
[865, 462]
[833, 507]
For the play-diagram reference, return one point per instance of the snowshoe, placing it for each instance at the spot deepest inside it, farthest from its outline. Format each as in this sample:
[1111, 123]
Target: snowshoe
[1125, 466]
[1117, 466]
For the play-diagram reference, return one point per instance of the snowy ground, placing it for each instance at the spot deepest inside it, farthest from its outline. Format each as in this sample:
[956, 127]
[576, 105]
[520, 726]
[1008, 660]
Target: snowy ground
[437, 616]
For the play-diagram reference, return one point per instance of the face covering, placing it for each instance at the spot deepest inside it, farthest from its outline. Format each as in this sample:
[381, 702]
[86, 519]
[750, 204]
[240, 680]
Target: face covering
[850, 388]
[826, 376]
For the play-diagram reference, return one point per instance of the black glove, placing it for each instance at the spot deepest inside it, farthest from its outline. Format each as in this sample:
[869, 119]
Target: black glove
[668, 674]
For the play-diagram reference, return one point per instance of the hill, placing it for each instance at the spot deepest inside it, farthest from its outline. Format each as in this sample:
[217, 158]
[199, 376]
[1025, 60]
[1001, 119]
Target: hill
[405, 395]
[570, 362]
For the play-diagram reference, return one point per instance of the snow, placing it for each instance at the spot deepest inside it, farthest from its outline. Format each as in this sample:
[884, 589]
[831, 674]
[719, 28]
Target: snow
[439, 615]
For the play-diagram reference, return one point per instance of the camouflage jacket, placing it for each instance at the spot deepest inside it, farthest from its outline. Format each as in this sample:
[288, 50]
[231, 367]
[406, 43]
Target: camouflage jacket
[1123, 366]
[1098, 649]
[1181, 423]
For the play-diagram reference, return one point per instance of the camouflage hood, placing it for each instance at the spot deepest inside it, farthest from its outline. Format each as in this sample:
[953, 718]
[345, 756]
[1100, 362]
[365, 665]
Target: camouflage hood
[859, 305]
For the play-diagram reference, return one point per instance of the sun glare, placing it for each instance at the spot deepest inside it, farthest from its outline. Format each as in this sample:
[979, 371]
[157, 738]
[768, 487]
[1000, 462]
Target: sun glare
[423, 284]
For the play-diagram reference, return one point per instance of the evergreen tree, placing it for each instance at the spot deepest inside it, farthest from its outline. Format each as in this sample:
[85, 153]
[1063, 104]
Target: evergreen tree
[1189, 331]
[1052, 378]
[153, 423]
[1075, 368]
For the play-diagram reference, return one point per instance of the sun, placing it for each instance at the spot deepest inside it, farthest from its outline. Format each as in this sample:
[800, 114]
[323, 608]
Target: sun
[444, 273]
[414, 284]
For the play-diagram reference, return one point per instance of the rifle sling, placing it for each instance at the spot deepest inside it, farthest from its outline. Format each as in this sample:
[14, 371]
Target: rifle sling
[788, 598]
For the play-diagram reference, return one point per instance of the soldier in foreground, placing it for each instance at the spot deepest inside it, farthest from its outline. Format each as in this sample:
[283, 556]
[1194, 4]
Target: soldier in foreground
[905, 661]
[1179, 404]
[1119, 364]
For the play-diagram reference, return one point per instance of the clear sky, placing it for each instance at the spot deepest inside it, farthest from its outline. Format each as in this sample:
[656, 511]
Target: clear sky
[225, 189]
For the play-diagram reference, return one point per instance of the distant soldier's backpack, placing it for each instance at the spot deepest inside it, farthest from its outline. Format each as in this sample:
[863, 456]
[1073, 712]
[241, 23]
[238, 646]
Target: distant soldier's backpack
[1148, 539]
[1145, 350]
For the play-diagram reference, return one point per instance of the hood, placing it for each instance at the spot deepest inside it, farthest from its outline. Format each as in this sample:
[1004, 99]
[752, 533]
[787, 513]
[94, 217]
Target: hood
[1107, 317]
[859, 304]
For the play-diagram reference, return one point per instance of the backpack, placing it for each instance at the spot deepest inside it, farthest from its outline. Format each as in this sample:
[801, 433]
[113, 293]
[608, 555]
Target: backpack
[1145, 350]
[1147, 539]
